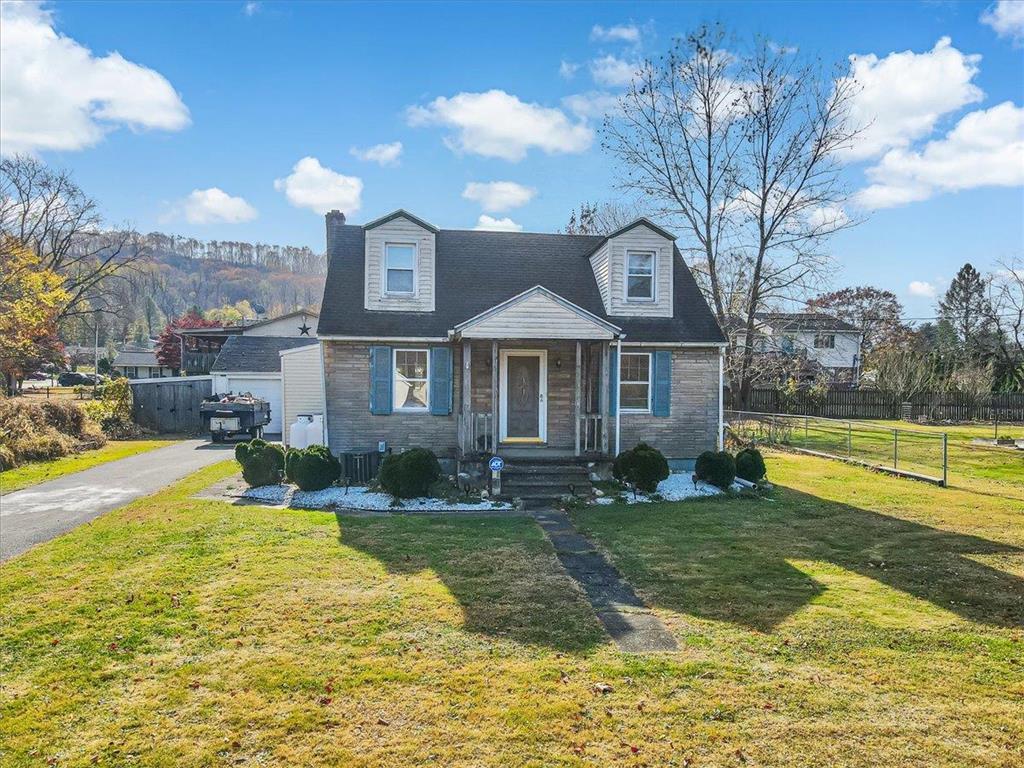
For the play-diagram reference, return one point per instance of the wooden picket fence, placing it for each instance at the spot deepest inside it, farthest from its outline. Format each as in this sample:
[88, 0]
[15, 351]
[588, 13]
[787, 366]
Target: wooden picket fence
[870, 404]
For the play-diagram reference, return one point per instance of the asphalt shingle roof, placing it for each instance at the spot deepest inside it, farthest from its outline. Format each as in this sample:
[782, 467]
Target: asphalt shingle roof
[477, 270]
[805, 321]
[255, 354]
[133, 357]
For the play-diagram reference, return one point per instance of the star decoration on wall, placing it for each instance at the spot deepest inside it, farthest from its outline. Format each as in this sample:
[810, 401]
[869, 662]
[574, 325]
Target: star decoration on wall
[304, 329]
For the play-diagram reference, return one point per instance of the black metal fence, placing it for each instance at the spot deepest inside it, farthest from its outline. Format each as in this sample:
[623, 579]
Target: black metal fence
[870, 404]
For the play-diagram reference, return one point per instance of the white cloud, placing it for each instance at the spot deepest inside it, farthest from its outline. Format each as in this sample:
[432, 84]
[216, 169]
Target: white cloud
[56, 95]
[592, 104]
[921, 288]
[612, 72]
[1007, 18]
[383, 154]
[495, 196]
[252, 7]
[985, 148]
[902, 96]
[828, 217]
[311, 185]
[567, 69]
[619, 33]
[214, 206]
[498, 124]
[486, 222]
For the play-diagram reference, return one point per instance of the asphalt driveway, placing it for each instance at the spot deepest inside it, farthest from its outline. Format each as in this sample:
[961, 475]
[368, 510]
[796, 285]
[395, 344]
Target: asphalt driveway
[39, 513]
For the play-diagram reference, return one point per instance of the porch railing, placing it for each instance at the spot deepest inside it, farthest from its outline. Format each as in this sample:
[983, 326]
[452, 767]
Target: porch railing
[589, 426]
[476, 433]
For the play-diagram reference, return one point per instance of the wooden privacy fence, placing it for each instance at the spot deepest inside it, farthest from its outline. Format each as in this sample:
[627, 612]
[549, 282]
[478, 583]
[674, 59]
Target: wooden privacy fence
[871, 404]
[171, 404]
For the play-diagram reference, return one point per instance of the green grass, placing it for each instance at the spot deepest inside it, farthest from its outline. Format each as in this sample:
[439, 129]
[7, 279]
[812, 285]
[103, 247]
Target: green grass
[852, 619]
[35, 472]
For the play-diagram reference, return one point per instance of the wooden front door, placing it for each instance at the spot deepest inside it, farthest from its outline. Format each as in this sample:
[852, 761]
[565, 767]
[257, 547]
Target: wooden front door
[523, 396]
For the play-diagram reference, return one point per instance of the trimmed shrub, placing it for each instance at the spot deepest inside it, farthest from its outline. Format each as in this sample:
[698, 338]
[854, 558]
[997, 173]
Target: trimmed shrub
[750, 465]
[313, 468]
[643, 467]
[409, 474]
[716, 467]
[262, 462]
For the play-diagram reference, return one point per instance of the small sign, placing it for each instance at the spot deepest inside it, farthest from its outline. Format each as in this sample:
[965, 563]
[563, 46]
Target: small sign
[496, 464]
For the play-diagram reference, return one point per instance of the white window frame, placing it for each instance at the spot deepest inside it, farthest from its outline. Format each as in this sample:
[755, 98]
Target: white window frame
[654, 277]
[650, 381]
[415, 269]
[394, 380]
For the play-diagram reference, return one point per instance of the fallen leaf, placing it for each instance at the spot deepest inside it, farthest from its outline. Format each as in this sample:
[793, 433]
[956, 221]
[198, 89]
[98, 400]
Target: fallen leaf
[602, 688]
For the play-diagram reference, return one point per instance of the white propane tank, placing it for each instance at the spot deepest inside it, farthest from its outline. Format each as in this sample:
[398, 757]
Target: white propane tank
[298, 433]
[315, 430]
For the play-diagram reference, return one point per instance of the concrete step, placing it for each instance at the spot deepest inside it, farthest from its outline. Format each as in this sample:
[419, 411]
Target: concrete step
[544, 469]
[544, 481]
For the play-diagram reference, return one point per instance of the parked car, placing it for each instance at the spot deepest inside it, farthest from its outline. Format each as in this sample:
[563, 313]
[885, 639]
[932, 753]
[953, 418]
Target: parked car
[74, 379]
[37, 376]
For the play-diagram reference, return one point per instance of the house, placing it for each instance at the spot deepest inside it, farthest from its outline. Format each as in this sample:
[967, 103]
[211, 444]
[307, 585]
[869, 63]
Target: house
[253, 364]
[200, 346]
[830, 343]
[138, 363]
[475, 343]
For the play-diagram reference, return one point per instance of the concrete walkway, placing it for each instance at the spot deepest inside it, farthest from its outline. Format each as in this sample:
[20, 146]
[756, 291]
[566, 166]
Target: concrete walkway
[40, 513]
[624, 615]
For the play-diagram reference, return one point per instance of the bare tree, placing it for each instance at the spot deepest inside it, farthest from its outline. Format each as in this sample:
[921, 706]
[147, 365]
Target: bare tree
[677, 139]
[902, 372]
[45, 210]
[602, 218]
[1005, 306]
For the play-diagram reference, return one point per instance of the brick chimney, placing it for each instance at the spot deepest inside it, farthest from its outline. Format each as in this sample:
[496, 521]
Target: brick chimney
[335, 221]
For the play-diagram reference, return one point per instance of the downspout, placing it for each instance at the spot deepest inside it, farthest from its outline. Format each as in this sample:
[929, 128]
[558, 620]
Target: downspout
[618, 392]
[721, 404]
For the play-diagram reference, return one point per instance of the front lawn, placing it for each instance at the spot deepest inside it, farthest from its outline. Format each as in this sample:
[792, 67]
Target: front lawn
[35, 472]
[852, 620]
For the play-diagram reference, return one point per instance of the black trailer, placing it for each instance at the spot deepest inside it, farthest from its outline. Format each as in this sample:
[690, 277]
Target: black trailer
[229, 415]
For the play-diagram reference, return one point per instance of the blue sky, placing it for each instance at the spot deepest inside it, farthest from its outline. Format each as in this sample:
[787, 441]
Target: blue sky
[210, 103]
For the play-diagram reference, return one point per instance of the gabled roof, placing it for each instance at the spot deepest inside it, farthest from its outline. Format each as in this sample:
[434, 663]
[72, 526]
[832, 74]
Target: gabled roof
[477, 270]
[584, 324]
[642, 221]
[401, 213]
[269, 320]
[805, 321]
[254, 354]
[134, 357]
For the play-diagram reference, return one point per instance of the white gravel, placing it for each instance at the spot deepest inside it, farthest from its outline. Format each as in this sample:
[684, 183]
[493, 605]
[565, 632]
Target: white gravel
[358, 497]
[676, 487]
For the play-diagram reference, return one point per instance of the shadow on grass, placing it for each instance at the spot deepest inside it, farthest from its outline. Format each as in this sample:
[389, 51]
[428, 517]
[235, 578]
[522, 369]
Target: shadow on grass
[729, 560]
[501, 570]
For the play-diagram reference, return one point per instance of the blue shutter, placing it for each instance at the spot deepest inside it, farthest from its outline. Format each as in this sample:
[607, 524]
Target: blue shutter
[661, 381]
[613, 380]
[440, 381]
[380, 380]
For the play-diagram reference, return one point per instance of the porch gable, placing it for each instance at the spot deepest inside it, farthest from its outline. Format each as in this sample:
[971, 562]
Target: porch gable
[537, 313]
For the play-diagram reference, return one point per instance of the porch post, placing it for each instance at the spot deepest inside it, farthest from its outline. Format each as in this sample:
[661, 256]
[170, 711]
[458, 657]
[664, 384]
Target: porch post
[605, 394]
[576, 395]
[494, 397]
[467, 396]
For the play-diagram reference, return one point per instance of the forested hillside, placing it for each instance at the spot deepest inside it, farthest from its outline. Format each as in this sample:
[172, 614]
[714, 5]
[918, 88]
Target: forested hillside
[175, 273]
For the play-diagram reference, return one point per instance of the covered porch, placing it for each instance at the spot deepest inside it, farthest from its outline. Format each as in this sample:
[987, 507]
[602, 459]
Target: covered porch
[536, 380]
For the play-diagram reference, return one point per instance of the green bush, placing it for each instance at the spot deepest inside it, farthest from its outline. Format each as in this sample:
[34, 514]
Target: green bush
[313, 468]
[643, 467]
[717, 468]
[262, 462]
[409, 474]
[750, 465]
[113, 410]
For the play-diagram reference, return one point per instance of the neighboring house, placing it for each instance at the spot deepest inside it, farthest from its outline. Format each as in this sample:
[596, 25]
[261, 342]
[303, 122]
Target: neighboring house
[253, 364]
[140, 364]
[831, 343]
[206, 343]
[473, 343]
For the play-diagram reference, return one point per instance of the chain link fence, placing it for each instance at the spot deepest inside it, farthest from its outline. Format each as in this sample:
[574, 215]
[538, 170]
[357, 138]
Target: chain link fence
[909, 452]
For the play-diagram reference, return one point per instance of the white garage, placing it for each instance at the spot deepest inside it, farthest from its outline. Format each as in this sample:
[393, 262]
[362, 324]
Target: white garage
[253, 364]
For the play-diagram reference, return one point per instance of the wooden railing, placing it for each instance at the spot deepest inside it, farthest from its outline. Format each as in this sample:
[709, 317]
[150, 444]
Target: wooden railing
[589, 426]
[477, 434]
[199, 363]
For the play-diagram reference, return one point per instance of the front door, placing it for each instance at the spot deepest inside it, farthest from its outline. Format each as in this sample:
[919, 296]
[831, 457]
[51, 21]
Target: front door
[523, 396]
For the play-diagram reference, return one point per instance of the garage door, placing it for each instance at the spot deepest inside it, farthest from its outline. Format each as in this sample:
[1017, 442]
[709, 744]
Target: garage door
[268, 389]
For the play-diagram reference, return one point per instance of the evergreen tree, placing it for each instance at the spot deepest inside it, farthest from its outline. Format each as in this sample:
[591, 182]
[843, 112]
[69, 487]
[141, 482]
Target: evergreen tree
[965, 309]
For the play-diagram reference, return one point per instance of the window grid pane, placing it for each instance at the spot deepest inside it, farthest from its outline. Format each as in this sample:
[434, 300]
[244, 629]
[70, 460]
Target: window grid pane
[635, 381]
[411, 384]
[400, 281]
[640, 276]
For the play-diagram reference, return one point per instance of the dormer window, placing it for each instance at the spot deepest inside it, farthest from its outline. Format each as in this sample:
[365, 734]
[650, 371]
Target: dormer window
[639, 276]
[400, 259]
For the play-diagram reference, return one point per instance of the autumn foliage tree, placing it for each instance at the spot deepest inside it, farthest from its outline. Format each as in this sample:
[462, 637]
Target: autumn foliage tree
[31, 299]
